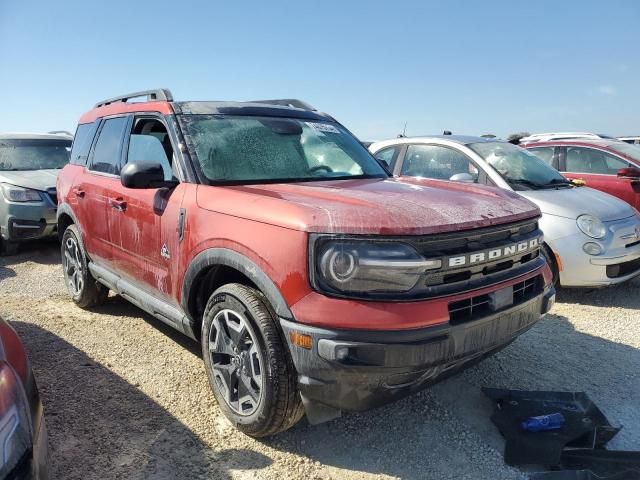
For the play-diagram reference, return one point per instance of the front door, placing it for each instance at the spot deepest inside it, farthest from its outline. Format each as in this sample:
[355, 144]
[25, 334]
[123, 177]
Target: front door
[599, 170]
[142, 251]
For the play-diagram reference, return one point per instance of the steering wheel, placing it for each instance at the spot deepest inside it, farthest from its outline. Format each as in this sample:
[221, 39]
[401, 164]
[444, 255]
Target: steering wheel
[317, 168]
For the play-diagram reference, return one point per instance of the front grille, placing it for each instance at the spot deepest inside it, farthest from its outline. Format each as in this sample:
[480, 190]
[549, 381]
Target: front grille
[622, 269]
[480, 306]
[464, 246]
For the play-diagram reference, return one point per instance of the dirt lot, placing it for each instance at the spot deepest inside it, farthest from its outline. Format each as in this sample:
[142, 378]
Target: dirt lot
[126, 397]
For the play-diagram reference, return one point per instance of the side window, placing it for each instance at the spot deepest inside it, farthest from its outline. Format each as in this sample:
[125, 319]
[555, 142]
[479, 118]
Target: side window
[388, 155]
[435, 161]
[106, 153]
[150, 142]
[544, 153]
[589, 160]
[82, 143]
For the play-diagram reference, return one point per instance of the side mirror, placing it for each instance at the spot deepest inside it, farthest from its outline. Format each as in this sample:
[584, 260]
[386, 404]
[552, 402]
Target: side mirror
[629, 172]
[462, 177]
[144, 175]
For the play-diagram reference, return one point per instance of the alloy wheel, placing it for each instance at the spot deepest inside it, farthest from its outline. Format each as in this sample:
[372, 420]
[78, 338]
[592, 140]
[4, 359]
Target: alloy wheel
[73, 270]
[236, 362]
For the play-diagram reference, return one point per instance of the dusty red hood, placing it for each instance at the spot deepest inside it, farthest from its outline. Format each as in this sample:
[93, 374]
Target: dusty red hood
[389, 207]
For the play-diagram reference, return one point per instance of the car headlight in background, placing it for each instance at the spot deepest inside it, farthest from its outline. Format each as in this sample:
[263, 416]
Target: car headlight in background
[19, 194]
[591, 226]
[362, 266]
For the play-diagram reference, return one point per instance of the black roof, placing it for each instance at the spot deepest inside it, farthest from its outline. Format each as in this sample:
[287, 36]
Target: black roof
[248, 108]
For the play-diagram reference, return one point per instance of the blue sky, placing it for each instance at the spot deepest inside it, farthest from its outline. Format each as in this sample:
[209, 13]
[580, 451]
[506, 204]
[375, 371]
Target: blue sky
[470, 67]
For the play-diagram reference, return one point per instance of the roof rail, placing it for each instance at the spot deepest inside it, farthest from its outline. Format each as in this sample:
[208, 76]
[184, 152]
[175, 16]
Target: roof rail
[61, 132]
[157, 94]
[288, 102]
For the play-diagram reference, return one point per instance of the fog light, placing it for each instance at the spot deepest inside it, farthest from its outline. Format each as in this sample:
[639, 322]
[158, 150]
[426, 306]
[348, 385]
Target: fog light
[592, 248]
[342, 353]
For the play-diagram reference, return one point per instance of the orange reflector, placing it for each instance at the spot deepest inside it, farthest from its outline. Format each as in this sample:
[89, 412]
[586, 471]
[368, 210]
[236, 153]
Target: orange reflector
[559, 262]
[301, 340]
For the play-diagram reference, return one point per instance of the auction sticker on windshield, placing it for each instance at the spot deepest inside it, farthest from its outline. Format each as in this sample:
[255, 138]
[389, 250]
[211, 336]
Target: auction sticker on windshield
[323, 127]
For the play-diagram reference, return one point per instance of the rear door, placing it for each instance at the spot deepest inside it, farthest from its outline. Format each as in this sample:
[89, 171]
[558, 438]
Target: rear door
[599, 170]
[96, 185]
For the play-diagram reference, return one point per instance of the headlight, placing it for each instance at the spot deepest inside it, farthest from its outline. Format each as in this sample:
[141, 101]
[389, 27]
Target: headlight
[15, 424]
[591, 226]
[19, 194]
[361, 266]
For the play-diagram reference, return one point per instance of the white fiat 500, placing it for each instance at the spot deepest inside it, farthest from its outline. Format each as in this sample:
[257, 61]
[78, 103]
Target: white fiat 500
[592, 239]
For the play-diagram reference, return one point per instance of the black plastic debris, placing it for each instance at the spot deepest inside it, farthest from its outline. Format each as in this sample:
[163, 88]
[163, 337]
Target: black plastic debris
[577, 450]
[582, 475]
[585, 425]
[605, 463]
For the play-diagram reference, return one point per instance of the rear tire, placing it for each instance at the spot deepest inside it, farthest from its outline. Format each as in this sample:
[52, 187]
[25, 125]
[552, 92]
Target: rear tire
[85, 291]
[249, 368]
[551, 261]
[8, 248]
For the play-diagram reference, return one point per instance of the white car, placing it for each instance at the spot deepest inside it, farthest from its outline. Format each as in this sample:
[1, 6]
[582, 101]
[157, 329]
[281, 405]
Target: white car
[549, 137]
[592, 239]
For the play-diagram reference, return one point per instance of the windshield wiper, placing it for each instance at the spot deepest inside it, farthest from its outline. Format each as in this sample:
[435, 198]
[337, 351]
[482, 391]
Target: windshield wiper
[555, 183]
[524, 181]
[559, 182]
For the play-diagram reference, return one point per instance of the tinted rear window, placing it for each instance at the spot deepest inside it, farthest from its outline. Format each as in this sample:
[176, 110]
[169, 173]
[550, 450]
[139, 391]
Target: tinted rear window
[106, 154]
[82, 143]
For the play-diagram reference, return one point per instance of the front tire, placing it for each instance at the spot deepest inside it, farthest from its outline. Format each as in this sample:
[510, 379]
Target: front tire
[85, 291]
[248, 365]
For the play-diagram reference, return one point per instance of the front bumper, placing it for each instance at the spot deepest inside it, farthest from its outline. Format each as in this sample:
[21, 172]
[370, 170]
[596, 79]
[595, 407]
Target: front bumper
[25, 221]
[357, 370]
[619, 261]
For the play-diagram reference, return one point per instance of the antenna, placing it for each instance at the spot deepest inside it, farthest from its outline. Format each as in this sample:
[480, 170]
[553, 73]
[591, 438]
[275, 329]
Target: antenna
[404, 131]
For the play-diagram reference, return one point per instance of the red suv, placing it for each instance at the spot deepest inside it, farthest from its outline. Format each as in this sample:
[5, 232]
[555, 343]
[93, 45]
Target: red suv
[608, 165]
[314, 281]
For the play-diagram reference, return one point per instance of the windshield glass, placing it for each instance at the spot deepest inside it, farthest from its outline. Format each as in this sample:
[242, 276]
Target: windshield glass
[632, 151]
[243, 149]
[18, 154]
[519, 167]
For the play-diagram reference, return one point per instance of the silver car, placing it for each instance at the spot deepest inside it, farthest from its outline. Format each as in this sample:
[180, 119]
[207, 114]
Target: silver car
[592, 239]
[29, 166]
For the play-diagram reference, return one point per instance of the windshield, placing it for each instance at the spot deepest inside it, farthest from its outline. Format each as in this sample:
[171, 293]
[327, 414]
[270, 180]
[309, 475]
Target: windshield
[28, 154]
[631, 151]
[519, 167]
[242, 149]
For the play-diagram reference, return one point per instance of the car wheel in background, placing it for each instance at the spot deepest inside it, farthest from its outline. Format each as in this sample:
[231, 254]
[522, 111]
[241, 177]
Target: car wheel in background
[84, 289]
[248, 365]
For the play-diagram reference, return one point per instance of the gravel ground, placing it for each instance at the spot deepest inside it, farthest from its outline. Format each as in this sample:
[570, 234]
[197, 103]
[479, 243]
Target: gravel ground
[127, 397]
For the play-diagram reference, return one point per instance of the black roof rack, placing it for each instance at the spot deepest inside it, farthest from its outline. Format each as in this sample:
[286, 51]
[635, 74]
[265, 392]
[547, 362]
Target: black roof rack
[288, 102]
[157, 94]
[61, 132]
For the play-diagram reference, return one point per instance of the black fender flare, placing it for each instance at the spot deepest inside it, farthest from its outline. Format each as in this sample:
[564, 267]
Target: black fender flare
[230, 258]
[65, 209]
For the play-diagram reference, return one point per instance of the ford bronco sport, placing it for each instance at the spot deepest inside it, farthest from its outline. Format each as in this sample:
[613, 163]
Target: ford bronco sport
[314, 281]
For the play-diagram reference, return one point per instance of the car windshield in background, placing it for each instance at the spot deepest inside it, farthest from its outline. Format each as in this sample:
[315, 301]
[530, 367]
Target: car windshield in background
[519, 168]
[241, 149]
[630, 150]
[27, 154]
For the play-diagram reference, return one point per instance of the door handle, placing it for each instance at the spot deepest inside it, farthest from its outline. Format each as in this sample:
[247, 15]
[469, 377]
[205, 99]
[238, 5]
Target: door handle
[79, 192]
[118, 204]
